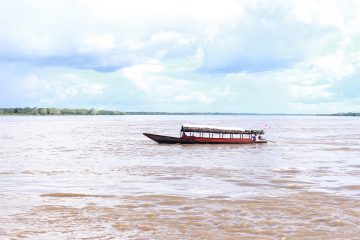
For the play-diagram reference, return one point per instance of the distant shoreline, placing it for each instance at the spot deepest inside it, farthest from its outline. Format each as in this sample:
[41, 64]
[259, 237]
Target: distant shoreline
[67, 111]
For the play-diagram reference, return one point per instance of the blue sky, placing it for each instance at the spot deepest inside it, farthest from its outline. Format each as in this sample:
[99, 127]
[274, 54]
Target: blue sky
[209, 56]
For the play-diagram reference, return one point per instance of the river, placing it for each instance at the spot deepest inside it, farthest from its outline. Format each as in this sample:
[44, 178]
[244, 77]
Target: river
[98, 177]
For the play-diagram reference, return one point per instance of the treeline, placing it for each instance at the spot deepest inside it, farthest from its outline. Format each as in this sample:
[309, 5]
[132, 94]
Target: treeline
[92, 111]
[186, 113]
[56, 111]
[349, 114]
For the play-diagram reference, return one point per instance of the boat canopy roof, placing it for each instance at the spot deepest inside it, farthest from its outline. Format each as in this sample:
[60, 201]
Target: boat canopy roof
[213, 129]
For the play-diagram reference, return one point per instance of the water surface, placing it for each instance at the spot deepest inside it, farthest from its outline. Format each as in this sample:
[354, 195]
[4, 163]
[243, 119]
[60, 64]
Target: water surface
[89, 177]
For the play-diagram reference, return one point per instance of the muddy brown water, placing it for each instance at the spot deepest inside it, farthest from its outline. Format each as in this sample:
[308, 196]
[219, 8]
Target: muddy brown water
[98, 177]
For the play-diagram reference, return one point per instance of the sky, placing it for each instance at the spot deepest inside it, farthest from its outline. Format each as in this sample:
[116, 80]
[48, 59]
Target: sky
[181, 56]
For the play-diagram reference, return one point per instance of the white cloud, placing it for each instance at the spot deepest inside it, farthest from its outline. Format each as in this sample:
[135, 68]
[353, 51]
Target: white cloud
[312, 92]
[98, 43]
[204, 11]
[184, 52]
[151, 78]
[59, 88]
[335, 66]
[194, 96]
[143, 75]
[62, 27]
[171, 36]
[94, 89]
[324, 13]
[154, 80]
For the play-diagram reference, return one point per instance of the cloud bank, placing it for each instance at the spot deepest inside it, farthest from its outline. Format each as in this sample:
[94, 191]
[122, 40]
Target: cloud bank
[227, 56]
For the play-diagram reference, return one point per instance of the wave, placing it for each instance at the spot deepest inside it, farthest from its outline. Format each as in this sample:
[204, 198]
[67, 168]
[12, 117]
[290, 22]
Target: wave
[69, 195]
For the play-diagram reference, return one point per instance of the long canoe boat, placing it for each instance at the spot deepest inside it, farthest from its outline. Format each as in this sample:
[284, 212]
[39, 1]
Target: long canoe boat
[191, 134]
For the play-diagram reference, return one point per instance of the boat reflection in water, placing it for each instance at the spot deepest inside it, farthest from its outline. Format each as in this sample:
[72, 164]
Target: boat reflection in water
[190, 134]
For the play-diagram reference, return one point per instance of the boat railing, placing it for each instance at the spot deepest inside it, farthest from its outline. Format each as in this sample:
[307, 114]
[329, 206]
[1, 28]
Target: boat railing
[250, 135]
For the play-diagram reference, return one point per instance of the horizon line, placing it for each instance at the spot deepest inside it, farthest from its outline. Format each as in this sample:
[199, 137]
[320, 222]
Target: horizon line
[94, 111]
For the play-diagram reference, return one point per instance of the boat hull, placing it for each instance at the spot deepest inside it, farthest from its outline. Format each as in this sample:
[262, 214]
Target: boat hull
[199, 140]
[167, 139]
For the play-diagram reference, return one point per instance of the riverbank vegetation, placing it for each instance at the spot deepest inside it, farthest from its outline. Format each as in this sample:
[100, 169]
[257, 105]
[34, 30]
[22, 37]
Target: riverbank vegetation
[92, 111]
[56, 111]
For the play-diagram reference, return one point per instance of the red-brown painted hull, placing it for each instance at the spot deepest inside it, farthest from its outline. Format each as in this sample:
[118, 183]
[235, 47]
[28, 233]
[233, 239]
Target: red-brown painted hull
[222, 140]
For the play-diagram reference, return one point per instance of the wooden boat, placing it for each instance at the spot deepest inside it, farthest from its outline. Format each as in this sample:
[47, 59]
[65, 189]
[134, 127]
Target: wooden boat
[190, 134]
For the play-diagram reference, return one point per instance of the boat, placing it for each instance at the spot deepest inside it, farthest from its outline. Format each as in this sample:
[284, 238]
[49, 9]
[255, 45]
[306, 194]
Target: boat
[191, 134]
